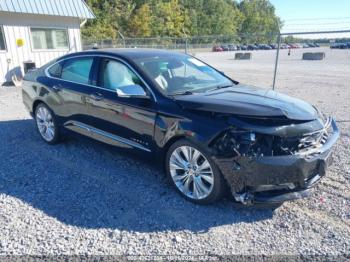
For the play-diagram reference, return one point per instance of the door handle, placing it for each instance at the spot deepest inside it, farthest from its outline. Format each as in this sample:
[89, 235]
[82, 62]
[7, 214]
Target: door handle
[56, 88]
[96, 97]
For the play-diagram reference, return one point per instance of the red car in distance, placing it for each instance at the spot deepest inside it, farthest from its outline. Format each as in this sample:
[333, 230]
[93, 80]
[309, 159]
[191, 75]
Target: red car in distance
[217, 48]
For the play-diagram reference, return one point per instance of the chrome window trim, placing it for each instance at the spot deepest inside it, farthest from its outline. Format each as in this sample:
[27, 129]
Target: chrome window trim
[95, 86]
[108, 135]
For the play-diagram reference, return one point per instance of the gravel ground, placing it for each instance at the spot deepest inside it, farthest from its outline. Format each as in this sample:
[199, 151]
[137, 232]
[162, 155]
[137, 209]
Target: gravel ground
[83, 197]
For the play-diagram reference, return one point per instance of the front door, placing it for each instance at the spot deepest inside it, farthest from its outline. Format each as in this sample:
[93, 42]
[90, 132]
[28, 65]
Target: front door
[124, 121]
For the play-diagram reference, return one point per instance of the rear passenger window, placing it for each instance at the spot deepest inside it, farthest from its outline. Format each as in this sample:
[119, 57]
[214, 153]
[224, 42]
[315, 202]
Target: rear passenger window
[55, 70]
[77, 70]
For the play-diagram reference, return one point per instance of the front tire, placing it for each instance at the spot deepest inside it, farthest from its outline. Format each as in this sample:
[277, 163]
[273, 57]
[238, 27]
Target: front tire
[193, 173]
[46, 124]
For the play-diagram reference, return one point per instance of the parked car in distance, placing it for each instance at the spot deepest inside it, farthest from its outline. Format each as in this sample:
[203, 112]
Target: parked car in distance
[344, 46]
[335, 45]
[232, 47]
[284, 46]
[264, 47]
[207, 130]
[293, 46]
[313, 45]
[225, 48]
[252, 47]
[217, 48]
[274, 46]
[242, 47]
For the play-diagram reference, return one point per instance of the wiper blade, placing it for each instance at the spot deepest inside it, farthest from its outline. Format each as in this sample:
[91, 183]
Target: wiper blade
[183, 93]
[220, 87]
[224, 86]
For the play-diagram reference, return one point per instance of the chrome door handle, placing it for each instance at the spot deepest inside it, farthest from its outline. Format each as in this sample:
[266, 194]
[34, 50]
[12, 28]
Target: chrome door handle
[96, 97]
[56, 88]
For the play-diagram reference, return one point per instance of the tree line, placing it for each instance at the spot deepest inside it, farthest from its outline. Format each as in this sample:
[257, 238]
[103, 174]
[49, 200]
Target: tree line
[182, 18]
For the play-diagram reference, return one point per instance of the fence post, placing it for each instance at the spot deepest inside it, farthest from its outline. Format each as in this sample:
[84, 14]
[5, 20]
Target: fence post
[186, 48]
[276, 62]
[123, 38]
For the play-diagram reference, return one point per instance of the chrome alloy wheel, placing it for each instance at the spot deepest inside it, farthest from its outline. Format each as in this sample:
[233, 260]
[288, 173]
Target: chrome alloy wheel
[191, 172]
[44, 121]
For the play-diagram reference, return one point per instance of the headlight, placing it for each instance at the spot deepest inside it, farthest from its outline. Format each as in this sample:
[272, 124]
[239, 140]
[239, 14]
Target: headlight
[234, 143]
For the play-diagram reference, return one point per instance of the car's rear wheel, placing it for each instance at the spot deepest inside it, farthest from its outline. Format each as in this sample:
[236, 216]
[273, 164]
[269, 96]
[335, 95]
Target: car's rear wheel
[193, 173]
[46, 124]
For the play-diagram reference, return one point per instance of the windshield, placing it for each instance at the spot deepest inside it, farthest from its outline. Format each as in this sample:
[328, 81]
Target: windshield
[182, 74]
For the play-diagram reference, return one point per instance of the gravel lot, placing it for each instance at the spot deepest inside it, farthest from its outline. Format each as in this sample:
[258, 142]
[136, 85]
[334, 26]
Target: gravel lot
[83, 197]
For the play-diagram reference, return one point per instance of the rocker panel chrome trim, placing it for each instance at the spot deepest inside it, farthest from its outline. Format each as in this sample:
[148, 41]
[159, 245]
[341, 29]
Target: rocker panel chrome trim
[107, 135]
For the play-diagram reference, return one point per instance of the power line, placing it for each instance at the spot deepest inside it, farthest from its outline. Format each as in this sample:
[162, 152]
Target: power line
[318, 31]
[306, 19]
[334, 23]
[316, 26]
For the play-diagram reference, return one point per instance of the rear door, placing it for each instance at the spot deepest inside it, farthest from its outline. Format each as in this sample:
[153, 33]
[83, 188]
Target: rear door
[71, 83]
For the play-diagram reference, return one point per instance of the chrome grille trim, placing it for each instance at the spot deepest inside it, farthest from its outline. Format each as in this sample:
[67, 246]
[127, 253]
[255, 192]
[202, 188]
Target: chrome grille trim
[310, 143]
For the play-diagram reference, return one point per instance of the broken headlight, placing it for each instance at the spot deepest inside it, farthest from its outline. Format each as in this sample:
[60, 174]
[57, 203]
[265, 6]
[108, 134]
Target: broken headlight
[234, 143]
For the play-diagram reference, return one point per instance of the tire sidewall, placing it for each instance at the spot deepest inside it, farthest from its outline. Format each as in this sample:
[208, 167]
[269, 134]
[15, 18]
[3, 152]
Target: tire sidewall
[218, 187]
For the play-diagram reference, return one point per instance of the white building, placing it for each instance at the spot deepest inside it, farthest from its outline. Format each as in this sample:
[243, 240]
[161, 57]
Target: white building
[38, 31]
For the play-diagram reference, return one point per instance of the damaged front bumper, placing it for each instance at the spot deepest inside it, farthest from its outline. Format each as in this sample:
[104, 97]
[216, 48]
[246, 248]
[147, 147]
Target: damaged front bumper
[275, 179]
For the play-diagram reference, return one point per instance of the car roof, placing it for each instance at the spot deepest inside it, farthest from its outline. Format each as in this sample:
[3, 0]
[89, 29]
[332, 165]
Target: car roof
[127, 53]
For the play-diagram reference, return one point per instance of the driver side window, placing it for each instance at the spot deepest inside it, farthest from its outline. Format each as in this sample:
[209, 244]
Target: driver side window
[115, 75]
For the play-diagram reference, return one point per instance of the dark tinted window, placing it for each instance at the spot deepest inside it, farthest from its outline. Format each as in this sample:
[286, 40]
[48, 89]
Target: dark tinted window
[77, 70]
[2, 39]
[55, 70]
[114, 74]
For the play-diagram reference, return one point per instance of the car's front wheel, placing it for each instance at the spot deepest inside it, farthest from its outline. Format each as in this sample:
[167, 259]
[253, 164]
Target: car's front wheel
[46, 124]
[193, 173]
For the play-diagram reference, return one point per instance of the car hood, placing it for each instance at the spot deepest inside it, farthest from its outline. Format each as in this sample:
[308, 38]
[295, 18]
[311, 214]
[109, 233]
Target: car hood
[250, 101]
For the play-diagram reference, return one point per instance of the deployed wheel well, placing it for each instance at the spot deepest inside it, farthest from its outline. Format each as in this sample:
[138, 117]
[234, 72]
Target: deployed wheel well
[172, 141]
[36, 103]
[168, 145]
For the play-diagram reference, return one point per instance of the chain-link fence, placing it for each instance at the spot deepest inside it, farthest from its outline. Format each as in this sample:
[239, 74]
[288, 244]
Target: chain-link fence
[247, 41]
[204, 43]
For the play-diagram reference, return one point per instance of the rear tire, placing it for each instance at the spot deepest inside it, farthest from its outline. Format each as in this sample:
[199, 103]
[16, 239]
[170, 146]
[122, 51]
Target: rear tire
[46, 124]
[193, 173]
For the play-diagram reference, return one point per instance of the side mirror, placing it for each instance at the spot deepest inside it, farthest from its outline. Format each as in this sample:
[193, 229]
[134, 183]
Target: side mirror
[131, 91]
